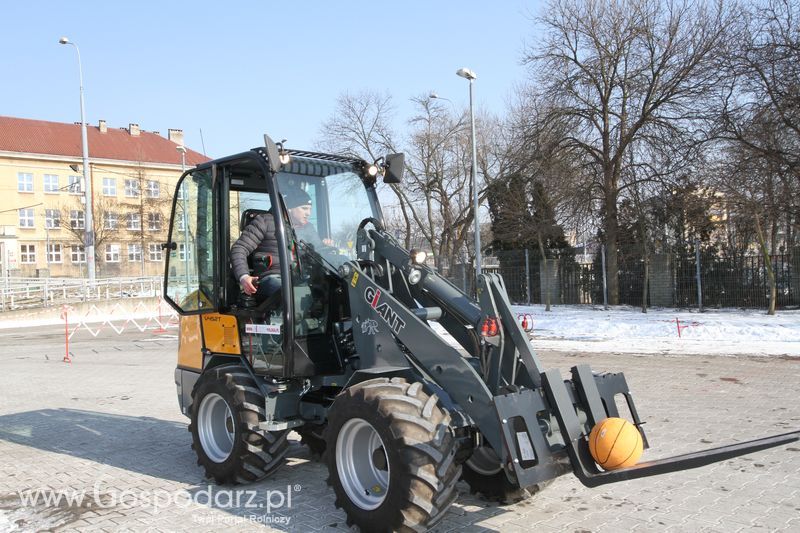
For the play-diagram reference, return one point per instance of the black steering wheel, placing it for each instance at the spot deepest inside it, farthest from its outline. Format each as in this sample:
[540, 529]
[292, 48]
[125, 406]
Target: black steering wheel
[375, 222]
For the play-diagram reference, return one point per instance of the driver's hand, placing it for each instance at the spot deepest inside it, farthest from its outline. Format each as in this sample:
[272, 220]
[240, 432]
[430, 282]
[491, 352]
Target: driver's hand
[248, 284]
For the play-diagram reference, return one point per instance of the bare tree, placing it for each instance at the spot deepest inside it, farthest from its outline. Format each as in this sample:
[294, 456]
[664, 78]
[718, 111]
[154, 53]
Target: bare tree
[140, 217]
[434, 202]
[759, 109]
[751, 188]
[72, 217]
[360, 127]
[621, 73]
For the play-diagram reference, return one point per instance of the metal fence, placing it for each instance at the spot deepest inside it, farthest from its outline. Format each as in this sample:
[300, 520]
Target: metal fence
[675, 280]
[21, 293]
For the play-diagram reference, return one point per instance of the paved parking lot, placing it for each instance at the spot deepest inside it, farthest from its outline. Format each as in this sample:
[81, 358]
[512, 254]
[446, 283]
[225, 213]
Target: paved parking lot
[107, 428]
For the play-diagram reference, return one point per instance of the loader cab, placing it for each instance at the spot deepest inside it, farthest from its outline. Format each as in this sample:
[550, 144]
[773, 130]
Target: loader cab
[292, 334]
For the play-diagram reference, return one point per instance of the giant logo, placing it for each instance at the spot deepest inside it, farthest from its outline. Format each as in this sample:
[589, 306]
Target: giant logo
[388, 314]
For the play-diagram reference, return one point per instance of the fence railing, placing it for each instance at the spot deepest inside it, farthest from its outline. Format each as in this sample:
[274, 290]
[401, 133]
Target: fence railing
[22, 293]
[674, 280]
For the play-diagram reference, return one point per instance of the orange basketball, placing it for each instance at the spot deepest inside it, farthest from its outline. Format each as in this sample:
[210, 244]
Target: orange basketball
[615, 443]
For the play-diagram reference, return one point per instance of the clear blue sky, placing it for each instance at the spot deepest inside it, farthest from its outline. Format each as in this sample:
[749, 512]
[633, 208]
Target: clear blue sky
[240, 69]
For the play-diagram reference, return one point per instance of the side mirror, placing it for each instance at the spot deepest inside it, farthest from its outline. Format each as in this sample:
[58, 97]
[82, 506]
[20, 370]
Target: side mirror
[272, 153]
[395, 166]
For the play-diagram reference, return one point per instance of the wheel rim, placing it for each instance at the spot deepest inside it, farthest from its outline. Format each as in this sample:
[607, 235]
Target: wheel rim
[216, 428]
[484, 461]
[362, 464]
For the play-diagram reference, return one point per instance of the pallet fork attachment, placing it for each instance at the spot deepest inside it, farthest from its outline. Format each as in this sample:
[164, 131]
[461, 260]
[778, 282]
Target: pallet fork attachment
[576, 405]
[562, 397]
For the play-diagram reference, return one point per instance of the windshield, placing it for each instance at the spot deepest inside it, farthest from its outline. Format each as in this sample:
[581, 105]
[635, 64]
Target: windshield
[326, 201]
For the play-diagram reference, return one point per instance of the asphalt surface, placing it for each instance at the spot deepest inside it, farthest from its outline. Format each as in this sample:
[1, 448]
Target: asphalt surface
[107, 426]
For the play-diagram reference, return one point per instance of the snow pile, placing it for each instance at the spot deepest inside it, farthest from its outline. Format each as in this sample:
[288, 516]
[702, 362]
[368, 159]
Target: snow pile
[627, 330]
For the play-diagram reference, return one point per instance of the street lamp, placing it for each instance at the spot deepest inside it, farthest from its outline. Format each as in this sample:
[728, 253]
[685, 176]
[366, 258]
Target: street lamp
[182, 149]
[87, 193]
[471, 76]
[435, 96]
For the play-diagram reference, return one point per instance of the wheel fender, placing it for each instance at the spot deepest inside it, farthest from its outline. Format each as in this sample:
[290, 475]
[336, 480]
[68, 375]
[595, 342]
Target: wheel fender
[382, 372]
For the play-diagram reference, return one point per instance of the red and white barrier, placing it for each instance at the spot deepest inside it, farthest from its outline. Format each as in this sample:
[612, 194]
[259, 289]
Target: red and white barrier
[118, 319]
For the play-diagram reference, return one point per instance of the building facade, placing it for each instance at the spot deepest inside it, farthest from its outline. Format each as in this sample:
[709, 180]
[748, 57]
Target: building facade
[42, 203]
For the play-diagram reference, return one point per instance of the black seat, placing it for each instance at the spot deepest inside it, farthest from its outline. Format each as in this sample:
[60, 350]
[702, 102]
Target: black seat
[247, 218]
[249, 215]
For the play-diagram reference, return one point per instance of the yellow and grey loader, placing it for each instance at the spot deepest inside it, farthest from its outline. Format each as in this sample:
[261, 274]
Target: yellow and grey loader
[345, 354]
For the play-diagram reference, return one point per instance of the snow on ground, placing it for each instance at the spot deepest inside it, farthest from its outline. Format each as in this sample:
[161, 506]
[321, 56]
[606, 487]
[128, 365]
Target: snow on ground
[628, 330]
[585, 329]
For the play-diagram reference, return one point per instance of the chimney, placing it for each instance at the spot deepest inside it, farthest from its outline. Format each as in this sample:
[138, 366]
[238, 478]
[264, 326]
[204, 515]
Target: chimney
[134, 130]
[175, 136]
[102, 126]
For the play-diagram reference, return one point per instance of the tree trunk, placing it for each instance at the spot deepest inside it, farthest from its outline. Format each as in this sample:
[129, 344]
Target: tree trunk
[645, 282]
[546, 272]
[612, 257]
[773, 291]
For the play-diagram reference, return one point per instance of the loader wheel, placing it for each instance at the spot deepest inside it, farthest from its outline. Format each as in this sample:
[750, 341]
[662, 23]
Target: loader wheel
[313, 436]
[390, 455]
[226, 410]
[485, 475]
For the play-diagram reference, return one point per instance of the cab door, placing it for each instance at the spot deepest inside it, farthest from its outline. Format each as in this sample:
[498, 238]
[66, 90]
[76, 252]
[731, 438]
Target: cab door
[189, 279]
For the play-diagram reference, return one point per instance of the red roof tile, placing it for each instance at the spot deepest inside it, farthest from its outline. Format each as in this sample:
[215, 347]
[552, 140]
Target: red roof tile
[58, 138]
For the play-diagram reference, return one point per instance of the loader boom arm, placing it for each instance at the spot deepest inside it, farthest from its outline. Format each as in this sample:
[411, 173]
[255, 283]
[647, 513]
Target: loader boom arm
[535, 420]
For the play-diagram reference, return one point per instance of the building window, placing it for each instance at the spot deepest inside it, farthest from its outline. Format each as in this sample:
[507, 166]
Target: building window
[109, 186]
[52, 218]
[110, 220]
[112, 253]
[78, 254]
[154, 221]
[182, 252]
[155, 252]
[27, 253]
[77, 219]
[26, 217]
[179, 192]
[50, 183]
[153, 189]
[132, 188]
[24, 182]
[53, 253]
[134, 252]
[180, 225]
[134, 221]
[75, 184]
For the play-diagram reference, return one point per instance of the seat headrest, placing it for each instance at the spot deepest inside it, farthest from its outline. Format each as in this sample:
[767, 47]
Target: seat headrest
[249, 215]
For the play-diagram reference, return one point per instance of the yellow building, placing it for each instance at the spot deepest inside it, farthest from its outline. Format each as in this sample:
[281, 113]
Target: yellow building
[42, 204]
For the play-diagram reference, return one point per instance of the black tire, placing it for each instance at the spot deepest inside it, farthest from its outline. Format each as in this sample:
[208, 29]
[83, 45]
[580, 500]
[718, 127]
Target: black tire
[418, 451]
[313, 436]
[485, 476]
[254, 453]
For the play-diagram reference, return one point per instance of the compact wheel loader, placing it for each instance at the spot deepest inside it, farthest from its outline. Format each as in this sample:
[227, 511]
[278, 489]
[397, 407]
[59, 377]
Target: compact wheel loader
[347, 354]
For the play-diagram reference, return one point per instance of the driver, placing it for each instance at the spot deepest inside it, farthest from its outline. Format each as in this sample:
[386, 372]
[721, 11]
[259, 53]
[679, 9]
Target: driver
[298, 202]
[259, 238]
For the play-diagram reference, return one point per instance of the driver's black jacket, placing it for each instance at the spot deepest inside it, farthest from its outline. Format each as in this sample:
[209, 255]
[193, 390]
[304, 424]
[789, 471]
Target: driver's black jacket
[258, 237]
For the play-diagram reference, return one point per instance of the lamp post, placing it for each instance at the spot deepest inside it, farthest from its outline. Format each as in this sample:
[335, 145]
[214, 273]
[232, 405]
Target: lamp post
[182, 149]
[471, 76]
[87, 193]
